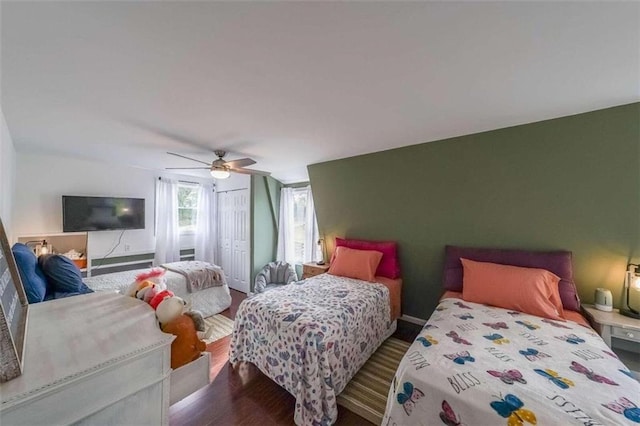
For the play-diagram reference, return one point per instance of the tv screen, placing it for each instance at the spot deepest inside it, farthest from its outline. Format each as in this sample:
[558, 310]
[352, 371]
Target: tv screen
[101, 213]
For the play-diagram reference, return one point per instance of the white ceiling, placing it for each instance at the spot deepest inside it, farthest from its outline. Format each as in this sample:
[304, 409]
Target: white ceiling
[292, 84]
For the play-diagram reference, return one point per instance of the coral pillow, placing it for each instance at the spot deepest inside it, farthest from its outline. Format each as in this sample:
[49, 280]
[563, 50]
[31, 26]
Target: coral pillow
[352, 263]
[389, 266]
[558, 262]
[530, 290]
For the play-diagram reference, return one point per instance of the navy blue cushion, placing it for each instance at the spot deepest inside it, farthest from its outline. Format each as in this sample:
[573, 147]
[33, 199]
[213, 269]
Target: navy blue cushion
[63, 275]
[33, 279]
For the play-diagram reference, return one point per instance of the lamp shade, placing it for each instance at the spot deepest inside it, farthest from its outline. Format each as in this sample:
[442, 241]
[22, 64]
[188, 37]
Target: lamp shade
[635, 283]
[632, 281]
[220, 173]
[322, 254]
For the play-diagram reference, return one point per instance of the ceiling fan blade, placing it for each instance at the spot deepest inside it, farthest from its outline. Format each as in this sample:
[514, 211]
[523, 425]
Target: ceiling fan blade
[250, 172]
[242, 162]
[188, 158]
[187, 168]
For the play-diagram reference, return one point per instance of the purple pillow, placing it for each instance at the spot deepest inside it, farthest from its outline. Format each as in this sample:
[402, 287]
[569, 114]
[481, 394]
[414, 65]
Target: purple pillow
[558, 262]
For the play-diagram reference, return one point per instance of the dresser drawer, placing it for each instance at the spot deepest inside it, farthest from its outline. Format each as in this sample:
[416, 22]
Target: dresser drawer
[625, 333]
[189, 378]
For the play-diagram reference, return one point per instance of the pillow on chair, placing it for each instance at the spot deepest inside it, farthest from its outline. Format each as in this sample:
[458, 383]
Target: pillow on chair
[63, 275]
[32, 276]
[274, 274]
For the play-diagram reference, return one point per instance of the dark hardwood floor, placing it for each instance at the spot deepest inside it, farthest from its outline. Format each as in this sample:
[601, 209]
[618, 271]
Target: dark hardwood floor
[246, 396]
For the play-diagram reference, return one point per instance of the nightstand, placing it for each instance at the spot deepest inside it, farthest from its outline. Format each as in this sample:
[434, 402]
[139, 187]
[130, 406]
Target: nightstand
[312, 269]
[620, 333]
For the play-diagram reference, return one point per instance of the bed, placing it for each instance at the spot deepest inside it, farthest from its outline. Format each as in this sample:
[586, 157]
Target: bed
[479, 364]
[208, 301]
[311, 338]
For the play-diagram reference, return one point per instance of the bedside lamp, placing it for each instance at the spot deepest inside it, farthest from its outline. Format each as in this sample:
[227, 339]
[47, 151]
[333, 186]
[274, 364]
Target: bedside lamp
[631, 280]
[39, 247]
[323, 249]
[44, 248]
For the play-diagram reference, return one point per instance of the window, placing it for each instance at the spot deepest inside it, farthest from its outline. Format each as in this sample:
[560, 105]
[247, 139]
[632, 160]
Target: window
[298, 229]
[187, 207]
[299, 223]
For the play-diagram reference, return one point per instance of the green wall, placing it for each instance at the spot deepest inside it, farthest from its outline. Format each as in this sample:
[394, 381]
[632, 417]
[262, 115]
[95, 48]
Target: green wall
[265, 207]
[570, 183]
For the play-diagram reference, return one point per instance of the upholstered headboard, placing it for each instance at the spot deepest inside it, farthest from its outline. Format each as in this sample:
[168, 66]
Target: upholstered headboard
[558, 262]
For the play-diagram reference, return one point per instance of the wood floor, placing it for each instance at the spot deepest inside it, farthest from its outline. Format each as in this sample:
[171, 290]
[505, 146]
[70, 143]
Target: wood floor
[246, 396]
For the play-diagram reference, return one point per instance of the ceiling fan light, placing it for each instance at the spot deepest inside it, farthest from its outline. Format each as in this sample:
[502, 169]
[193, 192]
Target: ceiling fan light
[220, 173]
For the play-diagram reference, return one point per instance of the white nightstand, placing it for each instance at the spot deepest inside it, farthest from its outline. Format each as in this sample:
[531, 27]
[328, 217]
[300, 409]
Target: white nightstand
[620, 333]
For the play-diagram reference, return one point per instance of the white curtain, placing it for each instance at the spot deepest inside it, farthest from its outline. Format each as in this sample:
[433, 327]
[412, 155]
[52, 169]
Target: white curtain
[311, 234]
[286, 243]
[167, 226]
[206, 237]
[287, 223]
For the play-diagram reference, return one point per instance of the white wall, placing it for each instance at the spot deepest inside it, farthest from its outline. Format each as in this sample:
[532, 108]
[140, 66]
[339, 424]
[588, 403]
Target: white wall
[41, 180]
[7, 177]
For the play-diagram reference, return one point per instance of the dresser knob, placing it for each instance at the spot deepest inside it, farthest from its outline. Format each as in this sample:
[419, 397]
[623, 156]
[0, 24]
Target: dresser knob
[629, 335]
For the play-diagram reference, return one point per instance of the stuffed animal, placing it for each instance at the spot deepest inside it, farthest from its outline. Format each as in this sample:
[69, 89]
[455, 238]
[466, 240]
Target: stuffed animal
[169, 309]
[151, 293]
[144, 289]
[153, 276]
[159, 298]
[187, 346]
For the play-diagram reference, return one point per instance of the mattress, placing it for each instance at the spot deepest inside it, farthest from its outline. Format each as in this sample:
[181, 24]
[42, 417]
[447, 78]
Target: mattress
[311, 338]
[208, 302]
[477, 365]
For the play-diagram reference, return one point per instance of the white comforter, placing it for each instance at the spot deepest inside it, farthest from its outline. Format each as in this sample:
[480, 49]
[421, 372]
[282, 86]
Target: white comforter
[312, 338]
[477, 365]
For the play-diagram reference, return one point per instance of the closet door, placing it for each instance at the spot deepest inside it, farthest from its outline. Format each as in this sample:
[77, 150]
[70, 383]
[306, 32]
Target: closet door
[225, 230]
[234, 246]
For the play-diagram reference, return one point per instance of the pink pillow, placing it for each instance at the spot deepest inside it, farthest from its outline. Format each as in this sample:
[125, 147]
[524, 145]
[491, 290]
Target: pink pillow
[389, 266]
[530, 290]
[360, 264]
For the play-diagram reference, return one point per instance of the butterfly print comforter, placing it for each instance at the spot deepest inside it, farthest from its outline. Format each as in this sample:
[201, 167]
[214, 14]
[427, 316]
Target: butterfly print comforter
[479, 365]
[312, 338]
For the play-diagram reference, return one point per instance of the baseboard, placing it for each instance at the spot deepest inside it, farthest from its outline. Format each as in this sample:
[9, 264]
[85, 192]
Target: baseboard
[413, 320]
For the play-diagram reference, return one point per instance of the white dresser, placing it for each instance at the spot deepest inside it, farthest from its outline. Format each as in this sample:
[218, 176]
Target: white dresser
[95, 359]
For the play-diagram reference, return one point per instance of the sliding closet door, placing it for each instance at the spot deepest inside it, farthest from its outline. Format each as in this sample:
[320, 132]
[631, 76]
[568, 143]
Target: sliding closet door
[233, 214]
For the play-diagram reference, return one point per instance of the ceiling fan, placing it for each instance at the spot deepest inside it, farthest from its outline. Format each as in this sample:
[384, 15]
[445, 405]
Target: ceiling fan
[221, 169]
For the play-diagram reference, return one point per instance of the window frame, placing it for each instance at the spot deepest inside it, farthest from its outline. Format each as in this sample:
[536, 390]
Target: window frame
[191, 229]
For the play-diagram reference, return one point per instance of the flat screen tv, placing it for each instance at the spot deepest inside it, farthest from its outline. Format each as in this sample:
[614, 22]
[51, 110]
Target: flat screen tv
[101, 213]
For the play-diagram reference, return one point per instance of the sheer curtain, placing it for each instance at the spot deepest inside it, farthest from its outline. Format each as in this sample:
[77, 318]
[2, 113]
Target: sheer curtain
[286, 244]
[290, 217]
[167, 226]
[311, 234]
[206, 231]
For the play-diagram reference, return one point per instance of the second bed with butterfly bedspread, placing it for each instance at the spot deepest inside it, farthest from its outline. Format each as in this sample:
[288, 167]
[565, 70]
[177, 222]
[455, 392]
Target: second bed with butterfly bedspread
[478, 365]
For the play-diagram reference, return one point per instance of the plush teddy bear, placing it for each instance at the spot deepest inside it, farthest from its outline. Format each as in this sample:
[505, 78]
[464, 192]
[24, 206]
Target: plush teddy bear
[187, 346]
[169, 309]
